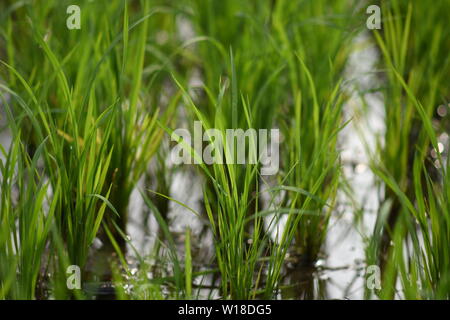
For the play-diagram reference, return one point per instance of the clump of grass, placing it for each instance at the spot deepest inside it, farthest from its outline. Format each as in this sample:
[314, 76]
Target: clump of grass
[227, 206]
[414, 211]
[95, 88]
[402, 44]
[27, 215]
[312, 106]
[88, 109]
[419, 255]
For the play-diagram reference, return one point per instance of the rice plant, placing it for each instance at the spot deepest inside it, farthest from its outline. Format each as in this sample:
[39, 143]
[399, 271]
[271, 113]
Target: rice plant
[403, 49]
[92, 116]
[418, 256]
[313, 112]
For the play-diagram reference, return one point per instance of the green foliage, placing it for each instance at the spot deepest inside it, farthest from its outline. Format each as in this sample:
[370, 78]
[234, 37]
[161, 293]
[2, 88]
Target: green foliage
[88, 110]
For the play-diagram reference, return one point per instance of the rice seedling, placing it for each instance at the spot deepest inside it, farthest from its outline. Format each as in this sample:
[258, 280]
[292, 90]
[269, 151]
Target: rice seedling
[226, 206]
[89, 114]
[313, 110]
[418, 257]
[27, 215]
[230, 111]
[406, 240]
[402, 45]
[93, 161]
